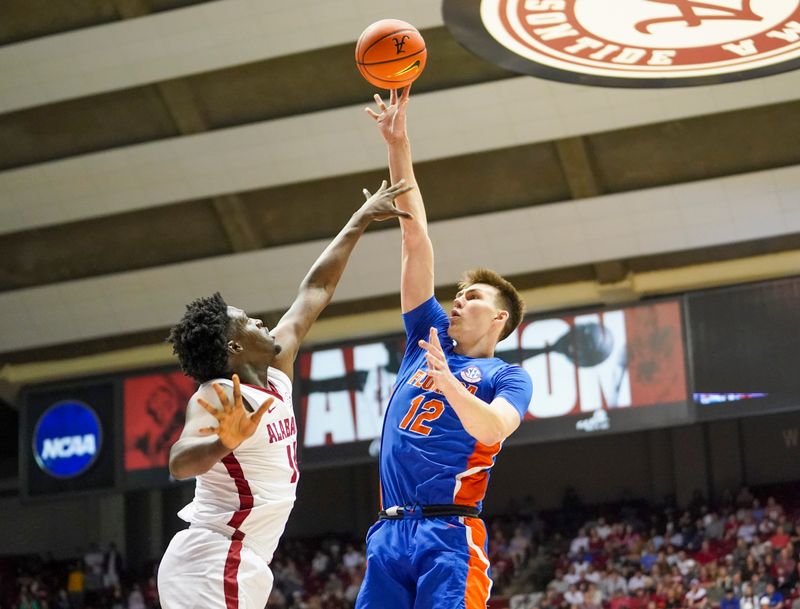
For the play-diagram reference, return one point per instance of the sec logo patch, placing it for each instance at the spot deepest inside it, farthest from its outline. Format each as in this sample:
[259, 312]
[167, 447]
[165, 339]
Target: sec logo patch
[471, 374]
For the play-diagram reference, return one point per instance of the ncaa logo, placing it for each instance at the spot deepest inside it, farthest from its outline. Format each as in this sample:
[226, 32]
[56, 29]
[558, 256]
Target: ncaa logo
[471, 374]
[67, 439]
[632, 43]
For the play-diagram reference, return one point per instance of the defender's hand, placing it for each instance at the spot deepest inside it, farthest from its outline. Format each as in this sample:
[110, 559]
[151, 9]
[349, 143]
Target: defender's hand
[380, 206]
[392, 118]
[235, 423]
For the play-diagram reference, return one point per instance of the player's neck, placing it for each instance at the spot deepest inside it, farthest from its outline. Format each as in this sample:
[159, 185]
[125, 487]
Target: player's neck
[484, 347]
[253, 374]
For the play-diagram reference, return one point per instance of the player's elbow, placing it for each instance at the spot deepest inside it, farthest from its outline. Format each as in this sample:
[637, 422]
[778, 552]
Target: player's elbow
[179, 469]
[488, 435]
[493, 430]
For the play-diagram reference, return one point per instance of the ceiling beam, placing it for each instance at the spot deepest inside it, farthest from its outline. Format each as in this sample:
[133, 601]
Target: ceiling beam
[188, 117]
[581, 178]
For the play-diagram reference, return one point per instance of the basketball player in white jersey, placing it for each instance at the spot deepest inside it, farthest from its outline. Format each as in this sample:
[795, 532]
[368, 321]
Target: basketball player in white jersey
[240, 437]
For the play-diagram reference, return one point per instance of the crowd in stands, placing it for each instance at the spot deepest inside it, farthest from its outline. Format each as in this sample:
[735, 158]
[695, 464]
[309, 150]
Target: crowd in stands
[96, 580]
[740, 554]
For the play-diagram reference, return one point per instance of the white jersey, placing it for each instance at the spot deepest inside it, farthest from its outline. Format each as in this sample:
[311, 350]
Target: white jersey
[249, 494]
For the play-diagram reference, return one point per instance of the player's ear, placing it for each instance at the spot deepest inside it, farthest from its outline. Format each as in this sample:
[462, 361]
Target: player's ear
[234, 347]
[502, 315]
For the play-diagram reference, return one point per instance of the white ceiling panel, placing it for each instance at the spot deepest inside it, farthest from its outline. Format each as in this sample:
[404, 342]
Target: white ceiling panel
[343, 141]
[198, 38]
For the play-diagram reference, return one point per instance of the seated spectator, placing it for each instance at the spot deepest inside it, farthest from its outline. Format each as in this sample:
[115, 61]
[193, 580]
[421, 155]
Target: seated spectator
[558, 584]
[573, 596]
[705, 555]
[747, 530]
[748, 600]
[773, 509]
[579, 544]
[729, 600]
[602, 529]
[695, 594]
[772, 595]
[637, 582]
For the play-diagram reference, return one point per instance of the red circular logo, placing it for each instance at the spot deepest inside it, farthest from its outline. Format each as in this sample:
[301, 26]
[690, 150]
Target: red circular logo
[636, 43]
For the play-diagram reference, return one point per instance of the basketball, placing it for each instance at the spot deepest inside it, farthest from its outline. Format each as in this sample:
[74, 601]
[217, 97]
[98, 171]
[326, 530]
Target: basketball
[390, 54]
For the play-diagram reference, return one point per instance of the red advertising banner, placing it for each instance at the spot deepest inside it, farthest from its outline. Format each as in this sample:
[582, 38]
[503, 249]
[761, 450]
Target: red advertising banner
[154, 409]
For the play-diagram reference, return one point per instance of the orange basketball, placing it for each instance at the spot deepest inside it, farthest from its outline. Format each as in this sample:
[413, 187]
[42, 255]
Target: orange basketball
[390, 54]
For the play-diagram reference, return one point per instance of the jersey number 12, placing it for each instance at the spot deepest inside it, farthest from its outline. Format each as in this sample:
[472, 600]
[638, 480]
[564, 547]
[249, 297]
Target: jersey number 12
[417, 423]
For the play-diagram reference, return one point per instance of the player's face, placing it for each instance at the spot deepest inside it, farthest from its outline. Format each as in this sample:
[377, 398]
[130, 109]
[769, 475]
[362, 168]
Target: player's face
[474, 312]
[252, 335]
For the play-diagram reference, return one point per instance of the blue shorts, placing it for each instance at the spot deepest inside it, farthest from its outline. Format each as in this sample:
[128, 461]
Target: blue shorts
[422, 563]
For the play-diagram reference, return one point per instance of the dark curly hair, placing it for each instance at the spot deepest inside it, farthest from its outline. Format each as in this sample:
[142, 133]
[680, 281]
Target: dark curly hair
[200, 338]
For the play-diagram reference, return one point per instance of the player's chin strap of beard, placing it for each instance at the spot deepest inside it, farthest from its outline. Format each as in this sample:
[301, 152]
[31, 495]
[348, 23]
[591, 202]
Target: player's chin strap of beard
[400, 512]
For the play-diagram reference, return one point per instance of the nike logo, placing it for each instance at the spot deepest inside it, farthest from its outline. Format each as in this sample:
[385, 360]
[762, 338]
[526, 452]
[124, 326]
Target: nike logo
[271, 408]
[406, 70]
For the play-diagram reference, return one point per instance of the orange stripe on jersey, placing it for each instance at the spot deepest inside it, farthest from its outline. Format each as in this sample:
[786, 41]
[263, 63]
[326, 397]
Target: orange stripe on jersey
[479, 584]
[472, 482]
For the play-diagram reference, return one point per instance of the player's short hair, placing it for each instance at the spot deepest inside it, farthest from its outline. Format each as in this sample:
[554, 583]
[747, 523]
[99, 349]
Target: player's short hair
[200, 338]
[508, 298]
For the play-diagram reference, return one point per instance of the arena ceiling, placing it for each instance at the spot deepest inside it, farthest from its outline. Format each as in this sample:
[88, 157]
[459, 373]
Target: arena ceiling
[157, 150]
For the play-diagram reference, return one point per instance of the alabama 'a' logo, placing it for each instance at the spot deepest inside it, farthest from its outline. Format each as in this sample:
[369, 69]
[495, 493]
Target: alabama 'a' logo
[632, 43]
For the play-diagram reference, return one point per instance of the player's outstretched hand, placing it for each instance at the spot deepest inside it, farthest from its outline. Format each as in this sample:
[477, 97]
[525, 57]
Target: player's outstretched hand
[437, 362]
[391, 119]
[380, 206]
[235, 423]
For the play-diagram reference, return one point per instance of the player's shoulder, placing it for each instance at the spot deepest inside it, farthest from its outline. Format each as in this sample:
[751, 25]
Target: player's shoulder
[498, 369]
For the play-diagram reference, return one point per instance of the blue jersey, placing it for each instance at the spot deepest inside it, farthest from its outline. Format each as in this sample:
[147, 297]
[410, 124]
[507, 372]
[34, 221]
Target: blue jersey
[427, 457]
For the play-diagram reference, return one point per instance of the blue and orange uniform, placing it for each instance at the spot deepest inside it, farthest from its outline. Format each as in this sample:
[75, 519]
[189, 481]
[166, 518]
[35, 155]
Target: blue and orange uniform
[429, 549]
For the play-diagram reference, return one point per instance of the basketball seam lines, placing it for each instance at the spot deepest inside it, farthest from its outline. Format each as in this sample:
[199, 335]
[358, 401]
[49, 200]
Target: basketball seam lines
[385, 36]
[375, 63]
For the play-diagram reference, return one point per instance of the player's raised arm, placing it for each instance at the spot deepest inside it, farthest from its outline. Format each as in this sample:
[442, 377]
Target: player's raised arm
[317, 289]
[416, 283]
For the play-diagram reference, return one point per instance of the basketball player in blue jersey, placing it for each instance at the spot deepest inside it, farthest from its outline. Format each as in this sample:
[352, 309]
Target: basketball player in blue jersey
[453, 405]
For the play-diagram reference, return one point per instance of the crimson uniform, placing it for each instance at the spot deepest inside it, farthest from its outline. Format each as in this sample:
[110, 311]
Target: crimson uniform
[239, 511]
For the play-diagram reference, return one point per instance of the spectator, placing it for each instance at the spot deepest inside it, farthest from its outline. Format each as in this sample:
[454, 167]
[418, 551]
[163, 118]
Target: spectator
[112, 567]
[75, 586]
[729, 601]
[580, 544]
[93, 568]
[773, 596]
[136, 598]
[696, 593]
[749, 600]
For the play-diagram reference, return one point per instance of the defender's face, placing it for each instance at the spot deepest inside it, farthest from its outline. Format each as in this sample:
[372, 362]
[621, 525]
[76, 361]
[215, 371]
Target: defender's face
[474, 310]
[252, 335]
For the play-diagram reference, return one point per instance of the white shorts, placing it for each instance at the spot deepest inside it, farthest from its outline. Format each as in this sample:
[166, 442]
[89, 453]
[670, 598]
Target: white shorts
[203, 568]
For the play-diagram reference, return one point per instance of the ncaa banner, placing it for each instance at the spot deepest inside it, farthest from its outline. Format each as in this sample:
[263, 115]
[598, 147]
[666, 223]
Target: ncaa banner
[631, 43]
[68, 437]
